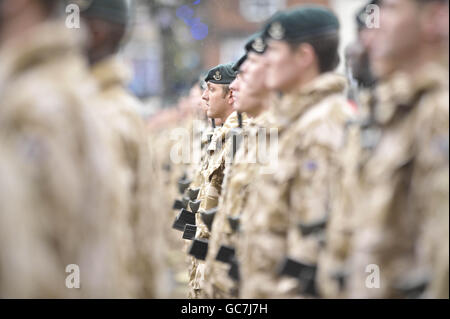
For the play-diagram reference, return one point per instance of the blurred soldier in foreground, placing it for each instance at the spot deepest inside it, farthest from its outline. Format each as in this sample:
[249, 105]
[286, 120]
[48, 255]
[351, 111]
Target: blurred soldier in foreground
[287, 211]
[139, 236]
[400, 191]
[63, 188]
[333, 267]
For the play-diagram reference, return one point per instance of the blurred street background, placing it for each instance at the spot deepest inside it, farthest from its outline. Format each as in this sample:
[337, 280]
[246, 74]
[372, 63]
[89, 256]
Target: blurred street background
[172, 41]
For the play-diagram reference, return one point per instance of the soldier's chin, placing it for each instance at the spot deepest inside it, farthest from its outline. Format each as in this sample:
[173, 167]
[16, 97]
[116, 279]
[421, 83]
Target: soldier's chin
[237, 106]
[381, 69]
[272, 85]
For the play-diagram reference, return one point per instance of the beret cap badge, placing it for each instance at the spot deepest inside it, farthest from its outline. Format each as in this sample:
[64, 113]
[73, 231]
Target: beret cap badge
[276, 31]
[217, 76]
[258, 45]
[221, 74]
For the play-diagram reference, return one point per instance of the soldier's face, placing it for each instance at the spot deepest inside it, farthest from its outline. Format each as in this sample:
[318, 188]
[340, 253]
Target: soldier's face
[282, 72]
[253, 87]
[398, 37]
[218, 102]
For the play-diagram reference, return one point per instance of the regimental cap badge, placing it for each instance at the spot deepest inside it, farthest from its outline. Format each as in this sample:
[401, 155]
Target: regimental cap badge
[277, 31]
[217, 76]
[258, 45]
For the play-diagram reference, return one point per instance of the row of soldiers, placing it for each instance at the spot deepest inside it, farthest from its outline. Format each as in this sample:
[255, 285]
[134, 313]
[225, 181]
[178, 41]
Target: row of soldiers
[76, 217]
[300, 192]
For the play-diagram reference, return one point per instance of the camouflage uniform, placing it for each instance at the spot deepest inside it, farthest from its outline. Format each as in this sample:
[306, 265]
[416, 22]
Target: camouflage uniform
[297, 194]
[219, 155]
[401, 211]
[238, 176]
[67, 166]
[198, 181]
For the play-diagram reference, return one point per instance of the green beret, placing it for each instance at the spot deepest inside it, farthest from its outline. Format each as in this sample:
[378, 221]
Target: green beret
[301, 23]
[361, 16]
[115, 11]
[237, 65]
[82, 4]
[256, 44]
[221, 74]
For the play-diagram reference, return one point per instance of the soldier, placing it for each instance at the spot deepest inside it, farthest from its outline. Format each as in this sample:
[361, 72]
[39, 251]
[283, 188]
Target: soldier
[196, 124]
[139, 235]
[399, 202]
[64, 163]
[219, 105]
[284, 219]
[333, 267]
[250, 95]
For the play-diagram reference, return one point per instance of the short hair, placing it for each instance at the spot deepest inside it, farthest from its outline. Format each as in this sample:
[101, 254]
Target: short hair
[326, 48]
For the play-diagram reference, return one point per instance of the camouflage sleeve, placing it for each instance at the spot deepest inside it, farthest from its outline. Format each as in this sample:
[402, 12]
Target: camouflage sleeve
[213, 188]
[264, 232]
[340, 227]
[312, 190]
[398, 232]
[431, 187]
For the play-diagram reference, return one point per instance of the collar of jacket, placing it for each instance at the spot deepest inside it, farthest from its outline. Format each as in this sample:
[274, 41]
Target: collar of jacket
[402, 91]
[292, 106]
[111, 72]
[221, 132]
[38, 45]
[266, 119]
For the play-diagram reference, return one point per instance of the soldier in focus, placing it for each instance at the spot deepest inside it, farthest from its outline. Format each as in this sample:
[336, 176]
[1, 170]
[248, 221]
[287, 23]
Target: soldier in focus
[250, 95]
[219, 102]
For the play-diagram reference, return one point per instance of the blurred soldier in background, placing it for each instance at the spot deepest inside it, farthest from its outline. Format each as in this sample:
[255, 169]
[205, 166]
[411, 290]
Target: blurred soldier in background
[400, 194]
[165, 188]
[359, 73]
[65, 177]
[287, 211]
[139, 231]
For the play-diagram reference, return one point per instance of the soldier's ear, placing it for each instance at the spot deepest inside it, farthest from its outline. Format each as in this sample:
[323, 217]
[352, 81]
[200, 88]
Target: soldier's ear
[229, 97]
[306, 53]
